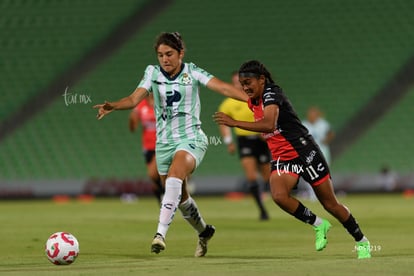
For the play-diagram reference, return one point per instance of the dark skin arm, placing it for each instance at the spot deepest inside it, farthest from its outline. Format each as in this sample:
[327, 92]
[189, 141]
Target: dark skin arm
[266, 125]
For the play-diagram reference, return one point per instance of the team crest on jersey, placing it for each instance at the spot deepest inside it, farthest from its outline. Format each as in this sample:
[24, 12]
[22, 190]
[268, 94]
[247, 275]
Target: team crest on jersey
[186, 79]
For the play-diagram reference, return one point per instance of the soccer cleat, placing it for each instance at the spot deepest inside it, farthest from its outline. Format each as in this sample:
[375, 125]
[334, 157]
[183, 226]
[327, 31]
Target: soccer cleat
[321, 231]
[158, 243]
[203, 239]
[363, 249]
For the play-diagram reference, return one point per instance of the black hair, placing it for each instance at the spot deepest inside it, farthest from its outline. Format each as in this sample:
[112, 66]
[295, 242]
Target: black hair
[173, 40]
[255, 68]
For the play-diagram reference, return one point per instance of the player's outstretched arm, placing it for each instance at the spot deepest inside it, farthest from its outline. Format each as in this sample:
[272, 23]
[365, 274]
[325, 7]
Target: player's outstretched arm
[227, 89]
[125, 103]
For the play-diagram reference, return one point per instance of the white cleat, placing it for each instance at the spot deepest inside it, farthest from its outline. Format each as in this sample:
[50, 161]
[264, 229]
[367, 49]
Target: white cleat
[158, 244]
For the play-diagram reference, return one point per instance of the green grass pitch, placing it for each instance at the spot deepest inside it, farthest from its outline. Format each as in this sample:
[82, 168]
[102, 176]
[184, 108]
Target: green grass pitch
[115, 239]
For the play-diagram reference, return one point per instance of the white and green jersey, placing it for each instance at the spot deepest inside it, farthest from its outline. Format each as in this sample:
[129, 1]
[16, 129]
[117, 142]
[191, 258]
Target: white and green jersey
[176, 101]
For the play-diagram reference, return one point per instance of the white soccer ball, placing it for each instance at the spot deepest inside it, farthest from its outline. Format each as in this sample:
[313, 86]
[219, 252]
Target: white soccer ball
[62, 248]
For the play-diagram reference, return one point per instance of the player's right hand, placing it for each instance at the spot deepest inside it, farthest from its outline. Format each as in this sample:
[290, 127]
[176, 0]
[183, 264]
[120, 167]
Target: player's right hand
[103, 109]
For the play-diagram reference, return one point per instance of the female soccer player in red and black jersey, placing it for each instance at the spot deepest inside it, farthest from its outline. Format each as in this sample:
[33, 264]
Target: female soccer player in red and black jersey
[144, 114]
[294, 154]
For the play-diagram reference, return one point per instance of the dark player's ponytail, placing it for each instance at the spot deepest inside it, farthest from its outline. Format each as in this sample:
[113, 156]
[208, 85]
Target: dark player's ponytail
[174, 40]
[255, 68]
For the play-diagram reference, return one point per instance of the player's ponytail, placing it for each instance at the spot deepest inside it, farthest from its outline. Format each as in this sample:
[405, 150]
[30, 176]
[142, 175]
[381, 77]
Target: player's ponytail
[254, 68]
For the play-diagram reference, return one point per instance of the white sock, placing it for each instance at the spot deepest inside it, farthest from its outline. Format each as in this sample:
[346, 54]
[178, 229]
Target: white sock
[364, 239]
[318, 221]
[170, 201]
[190, 212]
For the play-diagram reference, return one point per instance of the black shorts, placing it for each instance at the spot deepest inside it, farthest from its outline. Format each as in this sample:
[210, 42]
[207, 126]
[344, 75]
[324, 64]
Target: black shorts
[148, 155]
[310, 165]
[253, 146]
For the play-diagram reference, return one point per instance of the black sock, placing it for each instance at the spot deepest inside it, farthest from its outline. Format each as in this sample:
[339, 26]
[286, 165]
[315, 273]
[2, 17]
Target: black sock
[353, 228]
[255, 191]
[304, 214]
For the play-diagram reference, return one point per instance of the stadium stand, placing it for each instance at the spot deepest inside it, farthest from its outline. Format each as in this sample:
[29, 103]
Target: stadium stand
[385, 144]
[40, 39]
[334, 54]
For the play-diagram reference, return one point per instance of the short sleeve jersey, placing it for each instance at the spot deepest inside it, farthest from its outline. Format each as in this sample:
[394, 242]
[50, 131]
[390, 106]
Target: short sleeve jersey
[238, 110]
[319, 130]
[176, 101]
[145, 112]
[290, 136]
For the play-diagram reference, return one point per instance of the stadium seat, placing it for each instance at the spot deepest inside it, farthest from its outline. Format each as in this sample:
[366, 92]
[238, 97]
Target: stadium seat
[333, 54]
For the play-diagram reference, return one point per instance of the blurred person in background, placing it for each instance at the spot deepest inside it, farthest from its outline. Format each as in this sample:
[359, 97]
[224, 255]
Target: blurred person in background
[181, 143]
[320, 129]
[323, 134]
[389, 179]
[252, 148]
[143, 114]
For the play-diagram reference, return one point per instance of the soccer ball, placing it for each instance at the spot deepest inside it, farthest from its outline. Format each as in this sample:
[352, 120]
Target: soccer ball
[62, 248]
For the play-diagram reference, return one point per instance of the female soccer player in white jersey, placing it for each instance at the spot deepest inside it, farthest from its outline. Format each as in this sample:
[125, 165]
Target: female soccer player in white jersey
[181, 144]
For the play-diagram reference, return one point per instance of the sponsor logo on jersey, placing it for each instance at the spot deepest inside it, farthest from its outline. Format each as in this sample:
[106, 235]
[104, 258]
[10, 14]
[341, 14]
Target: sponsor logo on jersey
[310, 157]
